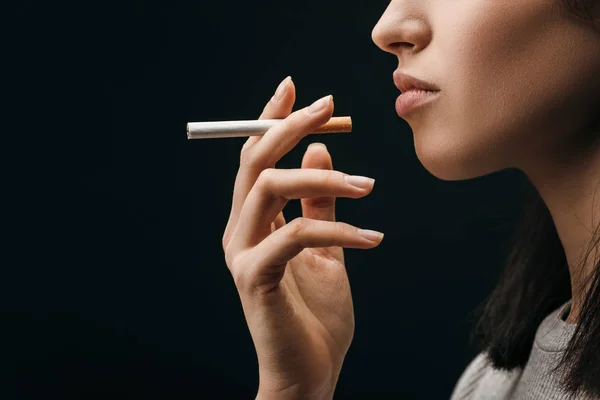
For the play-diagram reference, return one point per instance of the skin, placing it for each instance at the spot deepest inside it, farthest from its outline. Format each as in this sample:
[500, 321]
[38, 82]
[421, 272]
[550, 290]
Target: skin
[516, 94]
[518, 82]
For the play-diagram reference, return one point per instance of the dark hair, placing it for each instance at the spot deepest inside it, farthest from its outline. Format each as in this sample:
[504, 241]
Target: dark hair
[535, 282]
[582, 8]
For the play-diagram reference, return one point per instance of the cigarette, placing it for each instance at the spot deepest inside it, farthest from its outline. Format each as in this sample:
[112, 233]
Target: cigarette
[230, 129]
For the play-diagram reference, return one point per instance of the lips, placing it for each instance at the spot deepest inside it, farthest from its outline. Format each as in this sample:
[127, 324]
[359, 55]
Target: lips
[406, 82]
[415, 93]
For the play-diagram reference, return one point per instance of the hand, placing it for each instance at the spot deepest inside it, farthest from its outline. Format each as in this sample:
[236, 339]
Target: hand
[291, 277]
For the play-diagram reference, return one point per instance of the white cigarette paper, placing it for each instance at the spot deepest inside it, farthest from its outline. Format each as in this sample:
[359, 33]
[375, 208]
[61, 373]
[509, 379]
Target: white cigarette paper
[230, 129]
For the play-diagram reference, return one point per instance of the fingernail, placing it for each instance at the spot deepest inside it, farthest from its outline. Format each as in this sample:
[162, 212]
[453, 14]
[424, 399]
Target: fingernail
[368, 234]
[317, 144]
[360, 181]
[319, 104]
[282, 88]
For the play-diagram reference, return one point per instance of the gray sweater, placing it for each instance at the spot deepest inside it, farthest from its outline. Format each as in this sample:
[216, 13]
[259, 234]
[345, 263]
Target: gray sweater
[480, 381]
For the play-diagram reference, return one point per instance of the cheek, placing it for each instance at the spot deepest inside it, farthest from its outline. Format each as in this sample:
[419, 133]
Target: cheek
[514, 86]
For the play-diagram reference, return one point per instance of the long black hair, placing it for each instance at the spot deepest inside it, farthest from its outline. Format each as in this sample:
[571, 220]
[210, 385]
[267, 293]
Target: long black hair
[536, 281]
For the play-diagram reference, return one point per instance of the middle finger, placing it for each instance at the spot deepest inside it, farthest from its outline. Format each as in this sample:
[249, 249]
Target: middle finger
[275, 187]
[283, 137]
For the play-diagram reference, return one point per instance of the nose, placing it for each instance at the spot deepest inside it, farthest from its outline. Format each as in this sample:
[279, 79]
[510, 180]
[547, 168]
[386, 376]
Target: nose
[402, 28]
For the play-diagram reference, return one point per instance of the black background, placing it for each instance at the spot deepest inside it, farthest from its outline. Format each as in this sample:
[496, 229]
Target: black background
[115, 282]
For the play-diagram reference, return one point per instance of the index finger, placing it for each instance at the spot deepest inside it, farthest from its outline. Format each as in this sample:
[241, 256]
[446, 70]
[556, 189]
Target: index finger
[276, 108]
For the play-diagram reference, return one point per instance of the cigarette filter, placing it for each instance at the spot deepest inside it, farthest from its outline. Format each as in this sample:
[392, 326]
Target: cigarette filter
[228, 129]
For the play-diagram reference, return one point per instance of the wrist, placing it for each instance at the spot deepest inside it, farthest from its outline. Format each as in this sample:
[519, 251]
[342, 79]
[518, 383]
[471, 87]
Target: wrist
[294, 393]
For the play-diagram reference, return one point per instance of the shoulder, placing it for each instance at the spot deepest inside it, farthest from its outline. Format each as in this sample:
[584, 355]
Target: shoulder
[470, 378]
[480, 380]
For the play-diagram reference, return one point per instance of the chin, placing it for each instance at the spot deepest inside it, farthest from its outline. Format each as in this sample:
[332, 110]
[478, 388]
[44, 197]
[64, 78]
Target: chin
[445, 171]
[450, 160]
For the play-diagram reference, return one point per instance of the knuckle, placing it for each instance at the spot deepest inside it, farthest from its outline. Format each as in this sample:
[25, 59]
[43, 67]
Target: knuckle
[251, 158]
[239, 278]
[342, 228]
[247, 157]
[224, 242]
[247, 144]
[244, 155]
[329, 179]
[298, 226]
[235, 265]
[265, 177]
[229, 257]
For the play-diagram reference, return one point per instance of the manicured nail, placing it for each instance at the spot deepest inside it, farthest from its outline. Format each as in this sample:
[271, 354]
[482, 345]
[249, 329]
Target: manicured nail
[282, 88]
[373, 236]
[320, 104]
[317, 144]
[360, 181]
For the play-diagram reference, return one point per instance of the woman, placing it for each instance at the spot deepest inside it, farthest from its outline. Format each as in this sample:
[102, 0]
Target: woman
[509, 84]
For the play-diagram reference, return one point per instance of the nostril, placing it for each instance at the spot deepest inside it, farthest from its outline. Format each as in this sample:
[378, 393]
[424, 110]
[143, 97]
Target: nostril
[401, 45]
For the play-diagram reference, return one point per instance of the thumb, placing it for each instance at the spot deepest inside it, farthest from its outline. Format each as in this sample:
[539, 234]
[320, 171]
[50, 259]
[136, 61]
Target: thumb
[321, 208]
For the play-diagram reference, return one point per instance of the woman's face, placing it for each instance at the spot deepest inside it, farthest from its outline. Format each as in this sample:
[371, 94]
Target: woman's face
[517, 79]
